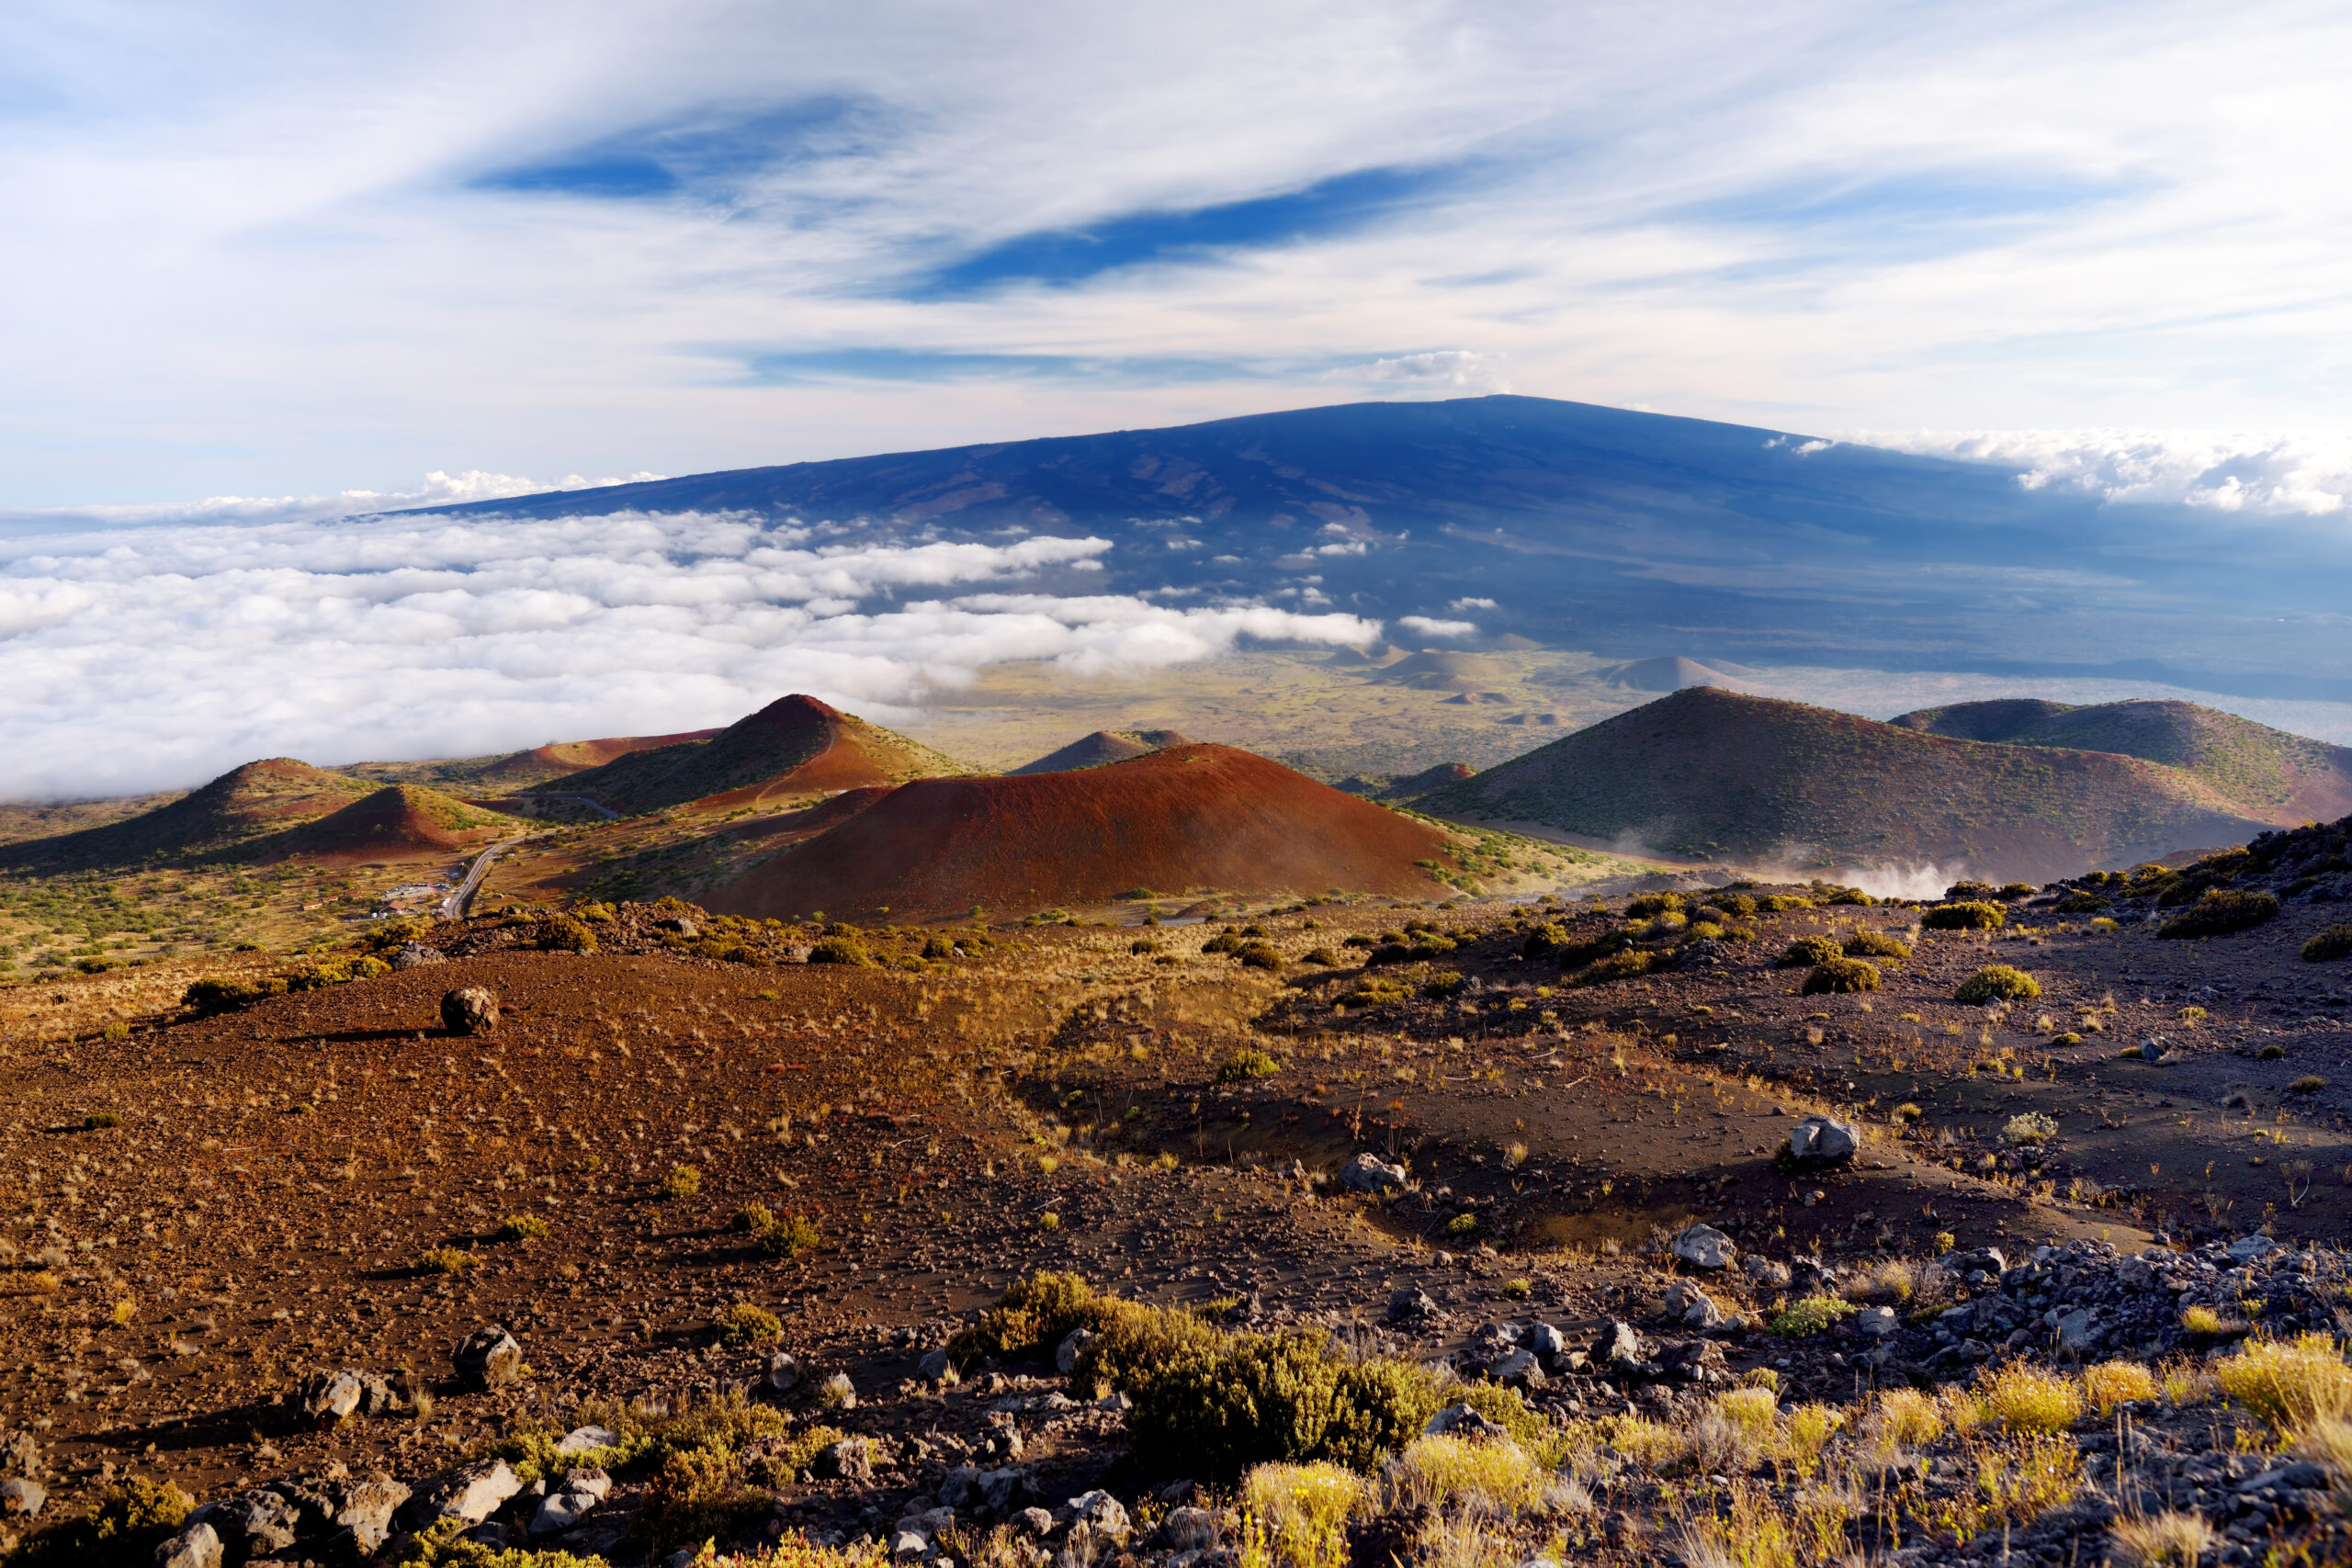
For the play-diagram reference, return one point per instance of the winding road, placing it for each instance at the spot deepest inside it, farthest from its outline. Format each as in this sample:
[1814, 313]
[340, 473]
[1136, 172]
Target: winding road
[453, 907]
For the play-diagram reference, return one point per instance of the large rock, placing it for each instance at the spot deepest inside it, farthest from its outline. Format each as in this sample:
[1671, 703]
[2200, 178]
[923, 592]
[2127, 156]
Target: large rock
[1461, 1421]
[1546, 1341]
[2252, 1248]
[488, 1357]
[1002, 1490]
[1065, 1353]
[1704, 1246]
[19, 1454]
[564, 1507]
[1190, 1529]
[1692, 1307]
[1876, 1323]
[363, 1515]
[198, 1546]
[330, 1397]
[21, 1498]
[851, 1459]
[783, 1372]
[1410, 1304]
[586, 1439]
[472, 1492]
[1768, 1272]
[1518, 1368]
[1101, 1511]
[416, 956]
[258, 1523]
[1823, 1140]
[469, 1011]
[1369, 1173]
[1621, 1347]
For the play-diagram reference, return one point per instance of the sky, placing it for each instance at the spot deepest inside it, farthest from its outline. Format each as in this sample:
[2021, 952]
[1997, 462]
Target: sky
[271, 250]
[269, 265]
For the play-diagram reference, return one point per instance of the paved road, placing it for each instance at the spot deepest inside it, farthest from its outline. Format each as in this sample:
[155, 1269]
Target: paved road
[453, 907]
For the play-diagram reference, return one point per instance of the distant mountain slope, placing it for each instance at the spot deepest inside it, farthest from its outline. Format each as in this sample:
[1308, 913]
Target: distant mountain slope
[397, 822]
[2268, 773]
[1606, 529]
[242, 804]
[1664, 674]
[1105, 746]
[794, 746]
[501, 772]
[1707, 774]
[1194, 817]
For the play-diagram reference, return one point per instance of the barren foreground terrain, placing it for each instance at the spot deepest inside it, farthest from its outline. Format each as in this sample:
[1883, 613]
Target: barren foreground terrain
[686, 1151]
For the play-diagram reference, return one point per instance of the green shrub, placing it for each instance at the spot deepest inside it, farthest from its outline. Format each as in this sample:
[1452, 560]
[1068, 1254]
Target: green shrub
[1841, 974]
[100, 1119]
[2220, 912]
[1223, 941]
[1850, 896]
[562, 933]
[366, 967]
[129, 1522]
[212, 994]
[522, 1227]
[684, 1181]
[1961, 892]
[1244, 1400]
[2083, 904]
[1652, 904]
[1998, 982]
[743, 1325]
[1544, 940]
[2329, 944]
[1141, 945]
[1966, 915]
[1876, 944]
[840, 950]
[1322, 957]
[1258, 956]
[1806, 952]
[386, 936]
[1245, 1064]
[791, 1236]
[1736, 904]
[595, 914]
[1035, 1313]
[1438, 987]
[1810, 1315]
[445, 1260]
[750, 1219]
[1616, 966]
[1781, 903]
[318, 976]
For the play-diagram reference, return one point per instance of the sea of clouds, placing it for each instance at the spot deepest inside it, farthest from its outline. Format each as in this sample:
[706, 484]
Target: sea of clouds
[159, 649]
[2262, 475]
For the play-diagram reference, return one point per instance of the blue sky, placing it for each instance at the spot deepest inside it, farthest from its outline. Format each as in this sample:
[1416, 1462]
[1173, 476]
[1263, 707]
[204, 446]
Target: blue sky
[260, 250]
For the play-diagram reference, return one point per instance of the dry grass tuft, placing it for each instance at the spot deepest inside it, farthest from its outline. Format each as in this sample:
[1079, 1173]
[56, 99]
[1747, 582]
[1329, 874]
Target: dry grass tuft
[2290, 1384]
[2112, 1384]
[2026, 1400]
[2170, 1539]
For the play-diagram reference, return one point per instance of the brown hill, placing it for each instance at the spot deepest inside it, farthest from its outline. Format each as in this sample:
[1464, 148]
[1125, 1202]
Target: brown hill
[2264, 773]
[1709, 774]
[561, 759]
[242, 804]
[1440, 670]
[1101, 747]
[794, 746]
[1193, 817]
[397, 822]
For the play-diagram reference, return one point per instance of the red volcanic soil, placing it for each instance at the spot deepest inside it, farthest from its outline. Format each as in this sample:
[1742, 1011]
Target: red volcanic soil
[397, 822]
[1190, 816]
[258, 797]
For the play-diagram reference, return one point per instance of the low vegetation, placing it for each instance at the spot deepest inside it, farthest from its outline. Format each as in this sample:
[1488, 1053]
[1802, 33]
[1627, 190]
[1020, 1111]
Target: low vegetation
[1998, 982]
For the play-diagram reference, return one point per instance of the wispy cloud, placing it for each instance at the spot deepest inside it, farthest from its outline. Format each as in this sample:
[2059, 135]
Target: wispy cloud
[541, 237]
[162, 655]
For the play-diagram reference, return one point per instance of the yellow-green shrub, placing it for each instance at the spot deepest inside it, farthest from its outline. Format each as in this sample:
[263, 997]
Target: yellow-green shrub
[2029, 1400]
[2289, 1383]
[2112, 1384]
[1443, 1470]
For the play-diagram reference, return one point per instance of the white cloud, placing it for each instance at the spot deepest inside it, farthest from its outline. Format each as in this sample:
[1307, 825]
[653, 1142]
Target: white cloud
[1472, 604]
[439, 490]
[140, 657]
[1425, 626]
[2262, 475]
[1448, 371]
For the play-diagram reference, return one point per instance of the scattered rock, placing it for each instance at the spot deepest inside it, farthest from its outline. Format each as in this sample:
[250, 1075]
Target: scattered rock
[1704, 1246]
[471, 1492]
[1546, 1341]
[1036, 1521]
[1621, 1347]
[1369, 1173]
[198, 1546]
[1000, 1489]
[261, 1524]
[1461, 1421]
[582, 1440]
[850, 1458]
[472, 1010]
[1518, 1368]
[1190, 1529]
[488, 1357]
[1823, 1140]
[1065, 1353]
[20, 1498]
[1411, 1305]
[1767, 1271]
[1876, 1323]
[1102, 1512]
[838, 1392]
[934, 1366]
[563, 1508]
[1692, 1307]
[2252, 1248]
[330, 1397]
[783, 1372]
[19, 1454]
[416, 956]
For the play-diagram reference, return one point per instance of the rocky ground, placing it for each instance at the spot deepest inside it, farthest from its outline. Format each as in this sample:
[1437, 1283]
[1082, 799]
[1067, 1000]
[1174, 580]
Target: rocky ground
[214, 1218]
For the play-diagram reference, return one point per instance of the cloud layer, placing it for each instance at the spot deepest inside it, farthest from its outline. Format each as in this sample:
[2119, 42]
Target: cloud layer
[2264, 476]
[145, 658]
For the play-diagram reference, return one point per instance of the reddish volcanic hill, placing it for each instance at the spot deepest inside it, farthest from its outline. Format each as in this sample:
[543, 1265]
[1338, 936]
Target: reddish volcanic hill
[259, 797]
[397, 822]
[1191, 816]
[1102, 746]
[794, 746]
[561, 759]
